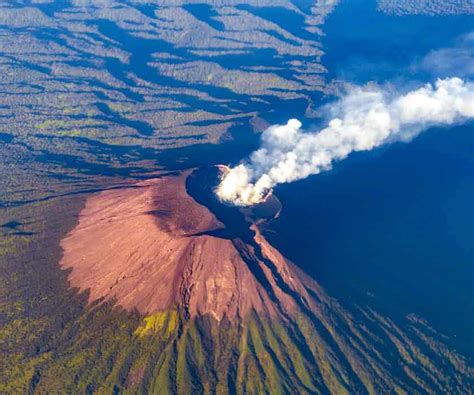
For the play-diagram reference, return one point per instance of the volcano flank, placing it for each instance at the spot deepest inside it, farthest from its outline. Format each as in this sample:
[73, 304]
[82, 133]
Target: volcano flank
[170, 243]
[245, 318]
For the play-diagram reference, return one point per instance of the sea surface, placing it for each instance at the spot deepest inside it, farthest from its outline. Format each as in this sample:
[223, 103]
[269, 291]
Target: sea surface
[393, 227]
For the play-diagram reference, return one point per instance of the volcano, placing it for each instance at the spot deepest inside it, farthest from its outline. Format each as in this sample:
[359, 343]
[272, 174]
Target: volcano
[231, 312]
[154, 247]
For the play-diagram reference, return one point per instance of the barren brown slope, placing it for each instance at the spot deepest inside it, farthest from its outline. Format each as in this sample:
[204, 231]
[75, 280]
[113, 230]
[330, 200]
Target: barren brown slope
[149, 248]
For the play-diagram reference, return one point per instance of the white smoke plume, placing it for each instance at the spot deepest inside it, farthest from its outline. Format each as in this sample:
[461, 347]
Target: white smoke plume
[362, 120]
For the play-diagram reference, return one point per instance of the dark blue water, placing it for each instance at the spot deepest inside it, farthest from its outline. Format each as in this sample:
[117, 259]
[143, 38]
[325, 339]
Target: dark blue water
[394, 227]
[362, 44]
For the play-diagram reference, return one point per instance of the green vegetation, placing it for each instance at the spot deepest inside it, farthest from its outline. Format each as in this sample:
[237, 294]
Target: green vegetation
[163, 323]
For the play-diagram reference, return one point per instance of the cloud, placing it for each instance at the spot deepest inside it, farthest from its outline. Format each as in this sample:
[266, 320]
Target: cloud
[365, 118]
[458, 60]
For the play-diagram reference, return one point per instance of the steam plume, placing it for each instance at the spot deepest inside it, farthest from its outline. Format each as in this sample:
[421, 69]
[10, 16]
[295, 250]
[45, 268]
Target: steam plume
[362, 120]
